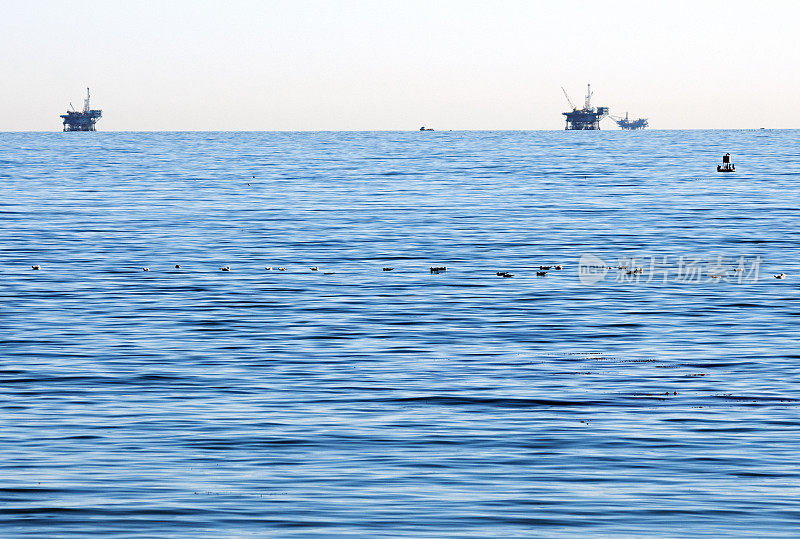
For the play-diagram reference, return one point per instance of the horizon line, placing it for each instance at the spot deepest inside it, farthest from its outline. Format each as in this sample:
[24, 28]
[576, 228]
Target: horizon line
[406, 130]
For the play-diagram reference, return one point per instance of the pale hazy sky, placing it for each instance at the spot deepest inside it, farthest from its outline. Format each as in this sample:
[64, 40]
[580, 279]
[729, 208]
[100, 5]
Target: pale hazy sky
[385, 65]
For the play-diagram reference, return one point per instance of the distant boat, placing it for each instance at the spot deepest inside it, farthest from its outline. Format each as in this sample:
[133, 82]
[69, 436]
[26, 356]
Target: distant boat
[423, 128]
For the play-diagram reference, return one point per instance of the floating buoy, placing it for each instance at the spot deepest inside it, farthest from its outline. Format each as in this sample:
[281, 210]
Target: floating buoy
[726, 165]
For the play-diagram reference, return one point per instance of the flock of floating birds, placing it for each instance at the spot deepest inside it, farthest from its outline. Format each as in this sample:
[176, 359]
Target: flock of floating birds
[438, 269]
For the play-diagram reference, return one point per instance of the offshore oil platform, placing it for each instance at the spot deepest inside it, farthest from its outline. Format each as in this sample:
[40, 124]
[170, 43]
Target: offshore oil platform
[585, 119]
[588, 118]
[81, 121]
[626, 123]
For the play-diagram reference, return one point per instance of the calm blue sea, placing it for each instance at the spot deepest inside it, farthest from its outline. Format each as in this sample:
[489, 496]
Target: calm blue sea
[597, 399]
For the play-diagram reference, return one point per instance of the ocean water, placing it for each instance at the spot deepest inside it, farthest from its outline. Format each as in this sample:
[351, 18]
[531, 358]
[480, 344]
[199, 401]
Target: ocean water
[196, 402]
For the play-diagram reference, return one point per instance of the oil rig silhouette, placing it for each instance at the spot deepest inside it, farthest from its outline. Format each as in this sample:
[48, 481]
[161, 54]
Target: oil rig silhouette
[588, 118]
[626, 123]
[585, 119]
[84, 120]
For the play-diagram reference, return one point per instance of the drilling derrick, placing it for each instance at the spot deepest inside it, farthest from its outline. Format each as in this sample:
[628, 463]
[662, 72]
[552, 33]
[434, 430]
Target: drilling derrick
[587, 118]
[84, 120]
[626, 123]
